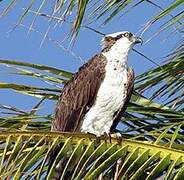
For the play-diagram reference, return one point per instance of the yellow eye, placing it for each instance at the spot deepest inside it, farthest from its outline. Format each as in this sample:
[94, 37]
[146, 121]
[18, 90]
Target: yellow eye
[128, 34]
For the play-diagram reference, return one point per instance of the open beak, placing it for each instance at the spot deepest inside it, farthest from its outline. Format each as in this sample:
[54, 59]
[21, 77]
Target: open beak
[138, 40]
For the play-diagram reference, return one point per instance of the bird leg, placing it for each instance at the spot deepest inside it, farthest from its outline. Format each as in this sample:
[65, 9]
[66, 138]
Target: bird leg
[98, 138]
[117, 136]
[111, 136]
[91, 134]
[106, 136]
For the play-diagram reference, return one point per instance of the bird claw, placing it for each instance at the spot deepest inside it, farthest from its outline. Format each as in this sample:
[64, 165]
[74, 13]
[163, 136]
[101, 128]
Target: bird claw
[91, 134]
[117, 136]
[110, 136]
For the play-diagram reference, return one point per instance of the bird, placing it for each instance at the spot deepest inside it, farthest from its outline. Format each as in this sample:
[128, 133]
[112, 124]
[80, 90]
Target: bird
[94, 100]
[96, 97]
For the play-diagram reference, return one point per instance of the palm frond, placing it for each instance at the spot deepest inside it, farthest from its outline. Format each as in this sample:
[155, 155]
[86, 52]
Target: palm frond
[42, 67]
[38, 92]
[165, 12]
[90, 11]
[168, 79]
[52, 76]
[143, 115]
[24, 153]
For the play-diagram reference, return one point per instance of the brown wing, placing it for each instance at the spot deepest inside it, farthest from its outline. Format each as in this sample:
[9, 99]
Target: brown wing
[79, 95]
[129, 89]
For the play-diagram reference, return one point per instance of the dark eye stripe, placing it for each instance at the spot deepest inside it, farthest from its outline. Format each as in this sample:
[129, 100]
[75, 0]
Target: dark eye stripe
[130, 34]
[119, 36]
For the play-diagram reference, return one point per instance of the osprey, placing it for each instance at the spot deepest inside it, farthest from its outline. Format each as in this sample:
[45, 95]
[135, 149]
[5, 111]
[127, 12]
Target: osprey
[94, 100]
[96, 97]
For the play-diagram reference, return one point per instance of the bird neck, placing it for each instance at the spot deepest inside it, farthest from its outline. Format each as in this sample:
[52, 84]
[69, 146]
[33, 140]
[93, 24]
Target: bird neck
[117, 55]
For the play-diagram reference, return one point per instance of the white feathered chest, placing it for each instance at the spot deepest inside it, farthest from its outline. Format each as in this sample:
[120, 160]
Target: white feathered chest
[110, 97]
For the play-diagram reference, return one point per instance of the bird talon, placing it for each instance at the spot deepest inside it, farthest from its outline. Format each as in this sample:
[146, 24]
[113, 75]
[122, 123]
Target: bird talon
[91, 134]
[106, 136]
[117, 136]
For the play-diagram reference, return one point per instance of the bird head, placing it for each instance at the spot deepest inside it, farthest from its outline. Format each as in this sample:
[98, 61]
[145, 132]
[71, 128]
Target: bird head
[120, 40]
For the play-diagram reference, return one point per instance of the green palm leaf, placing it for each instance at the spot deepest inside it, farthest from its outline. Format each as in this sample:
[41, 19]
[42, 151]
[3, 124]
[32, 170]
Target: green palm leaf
[169, 77]
[26, 152]
[42, 67]
[91, 11]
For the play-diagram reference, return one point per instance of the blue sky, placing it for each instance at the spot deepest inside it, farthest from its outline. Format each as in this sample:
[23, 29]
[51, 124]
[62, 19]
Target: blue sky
[21, 46]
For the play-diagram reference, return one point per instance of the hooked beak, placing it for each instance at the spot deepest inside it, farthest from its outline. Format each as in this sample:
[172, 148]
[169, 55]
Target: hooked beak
[138, 40]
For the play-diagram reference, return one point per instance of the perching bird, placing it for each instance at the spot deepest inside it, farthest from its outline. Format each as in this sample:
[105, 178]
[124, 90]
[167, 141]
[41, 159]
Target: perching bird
[94, 100]
[97, 95]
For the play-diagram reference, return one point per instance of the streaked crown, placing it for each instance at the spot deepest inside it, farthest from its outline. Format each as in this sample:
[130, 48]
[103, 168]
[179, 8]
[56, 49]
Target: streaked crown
[124, 38]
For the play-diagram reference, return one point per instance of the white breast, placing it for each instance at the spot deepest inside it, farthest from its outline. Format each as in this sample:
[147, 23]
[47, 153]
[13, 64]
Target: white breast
[110, 96]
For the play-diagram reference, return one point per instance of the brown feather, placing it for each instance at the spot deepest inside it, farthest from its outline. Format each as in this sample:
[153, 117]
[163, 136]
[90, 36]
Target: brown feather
[79, 95]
